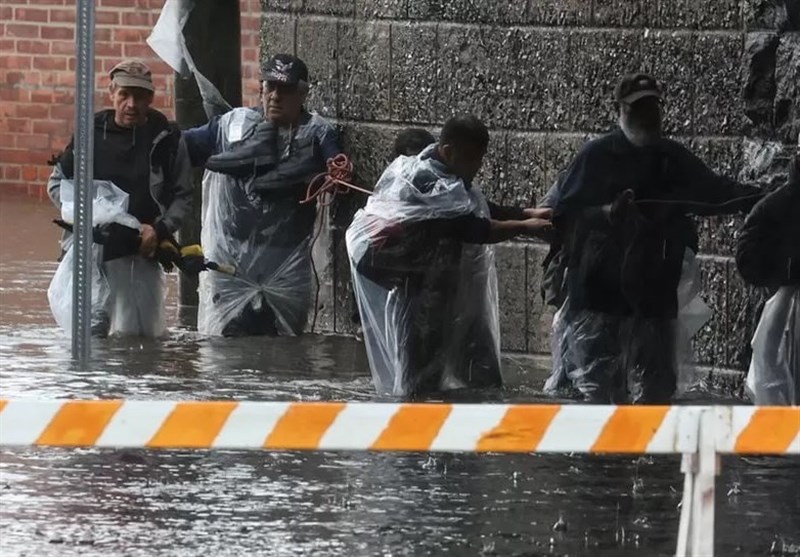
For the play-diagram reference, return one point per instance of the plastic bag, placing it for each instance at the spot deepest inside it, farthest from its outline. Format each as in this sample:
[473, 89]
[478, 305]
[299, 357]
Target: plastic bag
[628, 358]
[266, 239]
[429, 307]
[127, 293]
[774, 374]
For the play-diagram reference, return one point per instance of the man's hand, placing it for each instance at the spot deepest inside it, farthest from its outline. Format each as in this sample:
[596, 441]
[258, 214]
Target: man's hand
[622, 206]
[149, 240]
[539, 213]
[541, 227]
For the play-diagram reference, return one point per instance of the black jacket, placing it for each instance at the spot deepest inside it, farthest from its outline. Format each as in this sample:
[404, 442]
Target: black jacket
[768, 250]
[634, 265]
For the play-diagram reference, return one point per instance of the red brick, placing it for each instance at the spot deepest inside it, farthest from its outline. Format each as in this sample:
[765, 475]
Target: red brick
[60, 33]
[7, 45]
[16, 62]
[64, 96]
[6, 13]
[106, 17]
[50, 63]
[130, 35]
[44, 174]
[117, 3]
[32, 111]
[33, 47]
[51, 2]
[137, 19]
[102, 34]
[18, 125]
[14, 156]
[108, 49]
[29, 173]
[62, 48]
[12, 171]
[22, 30]
[138, 51]
[13, 78]
[15, 95]
[62, 15]
[62, 112]
[30, 14]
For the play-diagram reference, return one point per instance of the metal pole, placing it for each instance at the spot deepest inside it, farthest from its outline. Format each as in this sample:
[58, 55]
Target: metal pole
[84, 171]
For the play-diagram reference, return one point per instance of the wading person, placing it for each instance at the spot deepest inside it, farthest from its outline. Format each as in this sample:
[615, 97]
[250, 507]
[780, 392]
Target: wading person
[622, 213]
[768, 255]
[259, 163]
[141, 153]
[424, 279]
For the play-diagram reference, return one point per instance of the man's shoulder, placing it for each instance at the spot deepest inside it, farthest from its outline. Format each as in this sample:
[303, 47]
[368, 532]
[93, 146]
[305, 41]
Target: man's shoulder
[601, 145]
[317, 122]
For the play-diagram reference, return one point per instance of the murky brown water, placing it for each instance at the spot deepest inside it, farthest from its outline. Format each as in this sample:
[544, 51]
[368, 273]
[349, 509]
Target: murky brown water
[88, 502]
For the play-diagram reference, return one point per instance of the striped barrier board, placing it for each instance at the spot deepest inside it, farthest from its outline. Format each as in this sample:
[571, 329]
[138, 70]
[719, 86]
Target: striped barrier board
[502, 428]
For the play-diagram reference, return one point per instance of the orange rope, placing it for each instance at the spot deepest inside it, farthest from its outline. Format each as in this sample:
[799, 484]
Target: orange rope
[335, 181]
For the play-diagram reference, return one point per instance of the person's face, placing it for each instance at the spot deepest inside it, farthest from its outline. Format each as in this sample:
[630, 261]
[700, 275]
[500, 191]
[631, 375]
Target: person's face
[463, 160]
[282, 102]
[644, 115]
[130, 105]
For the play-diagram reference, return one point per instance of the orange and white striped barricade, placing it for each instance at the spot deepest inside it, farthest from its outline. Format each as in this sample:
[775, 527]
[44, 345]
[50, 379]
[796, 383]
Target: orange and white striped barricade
[700, 433]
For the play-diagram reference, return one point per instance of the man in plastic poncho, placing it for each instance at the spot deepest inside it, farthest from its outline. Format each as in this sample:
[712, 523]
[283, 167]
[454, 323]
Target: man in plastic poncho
[622, 213]
[424, 279]
[768, 255]
[143, 154]
[259, 163]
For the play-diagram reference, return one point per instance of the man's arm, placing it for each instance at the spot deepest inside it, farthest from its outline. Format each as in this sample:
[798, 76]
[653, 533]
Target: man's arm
[708, 193]
[54, 185]
[182, 187]
[201, 142]
[329, 141]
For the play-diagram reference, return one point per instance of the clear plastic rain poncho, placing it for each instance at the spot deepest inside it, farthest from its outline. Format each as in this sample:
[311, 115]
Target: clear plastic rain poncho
[774, 375]
[128, 292]
[265, 240]
[655, 360]
[429, 306]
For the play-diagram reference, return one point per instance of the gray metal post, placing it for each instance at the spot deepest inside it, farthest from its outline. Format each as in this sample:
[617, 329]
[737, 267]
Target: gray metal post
[84, 174]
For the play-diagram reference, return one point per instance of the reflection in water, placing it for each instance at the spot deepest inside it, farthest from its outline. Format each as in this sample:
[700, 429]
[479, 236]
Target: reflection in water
[91, 502]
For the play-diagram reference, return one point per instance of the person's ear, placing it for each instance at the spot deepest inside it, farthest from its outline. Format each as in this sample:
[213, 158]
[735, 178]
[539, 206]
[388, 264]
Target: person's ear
[111, 90]
[447, 152]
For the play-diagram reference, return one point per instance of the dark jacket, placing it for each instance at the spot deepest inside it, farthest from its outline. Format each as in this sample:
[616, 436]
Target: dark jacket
[634, 265]
[768, 250]
[149, 162]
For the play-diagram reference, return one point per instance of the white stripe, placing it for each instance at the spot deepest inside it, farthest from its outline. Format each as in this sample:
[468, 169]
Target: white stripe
[466, 424]
[358, 426]
[575, 429]
[135, 423]
[249, 425]
[794, 446]
[740, 419]
[675, 433]
[23, 421]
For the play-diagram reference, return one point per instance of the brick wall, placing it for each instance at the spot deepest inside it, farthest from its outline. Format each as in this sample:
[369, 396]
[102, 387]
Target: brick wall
[541, 74]
[37, 73]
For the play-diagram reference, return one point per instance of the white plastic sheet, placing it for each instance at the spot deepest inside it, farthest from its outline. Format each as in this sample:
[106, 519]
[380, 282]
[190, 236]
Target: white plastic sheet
[428, 305]
[775, 368]
[127, 293]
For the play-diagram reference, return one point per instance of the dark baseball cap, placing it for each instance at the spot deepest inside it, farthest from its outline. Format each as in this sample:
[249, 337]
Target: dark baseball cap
[285, 68]
[132, 73]
[635, 86]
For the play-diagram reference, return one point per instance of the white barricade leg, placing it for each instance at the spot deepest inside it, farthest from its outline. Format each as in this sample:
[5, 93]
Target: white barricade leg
[696, 529]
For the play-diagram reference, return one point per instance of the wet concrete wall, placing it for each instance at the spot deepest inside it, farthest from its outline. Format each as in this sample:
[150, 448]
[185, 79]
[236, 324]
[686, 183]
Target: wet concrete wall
[541, 74]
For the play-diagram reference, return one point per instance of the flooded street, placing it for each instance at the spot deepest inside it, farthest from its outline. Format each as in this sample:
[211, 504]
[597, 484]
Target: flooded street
[186, 503]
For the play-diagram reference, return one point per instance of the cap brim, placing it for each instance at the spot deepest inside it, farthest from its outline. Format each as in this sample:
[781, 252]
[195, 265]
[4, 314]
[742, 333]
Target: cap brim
[633, 97]
[130, 81]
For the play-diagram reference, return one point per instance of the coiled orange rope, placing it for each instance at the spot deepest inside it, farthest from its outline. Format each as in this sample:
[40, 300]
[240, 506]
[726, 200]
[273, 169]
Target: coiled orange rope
[335, 181]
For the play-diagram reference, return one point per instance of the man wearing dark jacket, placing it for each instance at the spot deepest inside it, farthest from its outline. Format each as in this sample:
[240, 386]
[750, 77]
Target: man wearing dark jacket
[768, 255]
[142, 153]
[622, 210]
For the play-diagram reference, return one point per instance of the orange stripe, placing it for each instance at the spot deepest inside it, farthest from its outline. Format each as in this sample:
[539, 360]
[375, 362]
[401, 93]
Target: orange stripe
[303, 425]
[770, 431]
[520, 430]
[630, 429]
[3, 404]
[413, 427]
[192, 425]
[79, 423]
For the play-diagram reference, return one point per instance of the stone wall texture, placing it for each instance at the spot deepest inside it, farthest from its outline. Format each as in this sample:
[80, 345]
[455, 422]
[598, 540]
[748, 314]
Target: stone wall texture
[541, 74]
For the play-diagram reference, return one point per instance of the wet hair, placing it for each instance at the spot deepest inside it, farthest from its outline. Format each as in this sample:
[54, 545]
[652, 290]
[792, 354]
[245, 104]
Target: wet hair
[412, 141]
[465, 130]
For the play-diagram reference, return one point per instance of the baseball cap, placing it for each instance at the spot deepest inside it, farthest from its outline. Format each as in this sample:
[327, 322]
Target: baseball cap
[635, 86]
[132, 73]
[285, 68]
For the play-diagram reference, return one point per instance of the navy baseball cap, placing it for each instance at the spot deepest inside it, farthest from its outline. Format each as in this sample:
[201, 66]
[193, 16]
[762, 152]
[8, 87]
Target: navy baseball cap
[635, 86]
[285, 68]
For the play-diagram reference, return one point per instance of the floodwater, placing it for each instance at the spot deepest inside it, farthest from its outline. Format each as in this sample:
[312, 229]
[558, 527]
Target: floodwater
[113, 502]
